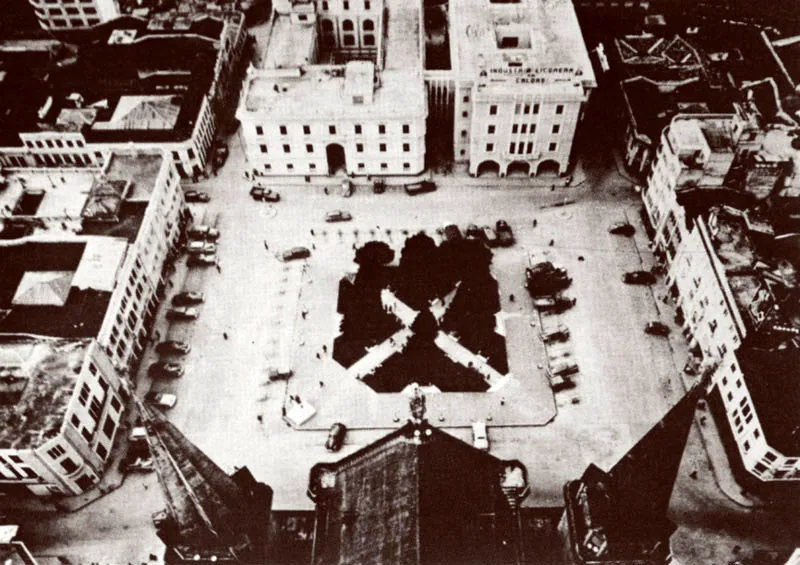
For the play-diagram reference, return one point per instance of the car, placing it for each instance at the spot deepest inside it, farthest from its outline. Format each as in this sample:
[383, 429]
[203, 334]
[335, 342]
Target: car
[270, 196]
[336, 437]
[133, 464]
[197, 247]
[639, 277]
[561, 369]
[182, 313]
[558, 352]
[173, 348]
[296, 253]
[452, 233]
[420, 187]
[162, 400]
[474, 232]
[196, 196]
[162, 369]
[347, 188]
[279, 374]
[504, 233]
[622, 228]
[202, 260]
[656, 328]
[138, 448]
[554, 303]
[560, 382]
[203, 232]
[489, 236]
[338, 216]
[378, 186]
[557, 333]
[188, 297]
[256, 192]
[480, 439]
[220, 156]
[138, 433]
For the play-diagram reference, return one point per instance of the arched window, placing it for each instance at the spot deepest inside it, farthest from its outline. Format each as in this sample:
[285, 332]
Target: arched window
[347, 25]
[327, 26]
[349, 40]
[369, 25]
[369, 39]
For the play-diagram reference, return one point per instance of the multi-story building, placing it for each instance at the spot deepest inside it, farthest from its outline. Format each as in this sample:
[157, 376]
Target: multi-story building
[522, 77]
[69, 14]
[339, 88]
[720, 199]
[81, 103]
[83, 254]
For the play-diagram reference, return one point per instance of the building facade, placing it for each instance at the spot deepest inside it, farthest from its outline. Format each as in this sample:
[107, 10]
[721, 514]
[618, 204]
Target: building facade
[68, 14]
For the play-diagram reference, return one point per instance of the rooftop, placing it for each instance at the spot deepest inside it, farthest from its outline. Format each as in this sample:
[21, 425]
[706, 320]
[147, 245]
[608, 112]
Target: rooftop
[290, 45]
[775, 393]
[543, 33]
[659, 58]
[58, 288]
[403, 37]
[37, 379]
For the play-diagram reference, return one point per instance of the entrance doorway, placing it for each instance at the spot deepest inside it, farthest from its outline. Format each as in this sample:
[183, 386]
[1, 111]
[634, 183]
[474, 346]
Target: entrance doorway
[336, 162]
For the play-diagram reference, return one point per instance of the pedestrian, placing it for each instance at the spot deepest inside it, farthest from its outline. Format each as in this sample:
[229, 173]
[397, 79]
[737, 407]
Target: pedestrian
[260, 419]
[265, 245]
[511, 297]
[304, 313]
[219, 269]
[317, 354]
[283, 411]
[312, 232]
[552, 187]
[313, 247]
[321, 384]
[225, 335]
[552, 241]
[502, 402]
[535, 222]
[297, 398]
[327, 192]
[325, 348]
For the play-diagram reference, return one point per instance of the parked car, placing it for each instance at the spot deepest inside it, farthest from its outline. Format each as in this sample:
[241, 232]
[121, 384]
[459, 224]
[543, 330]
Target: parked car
[338, 216]
[420, 187]
[504, 233]
[279, 374]
[639, 277]
[197, 247]
[182, 313]
[622, 228]
[271, 196]
[202, 260]
[474, 232]
[196, 196]
[162, 400]
[480, 439]
[558, 352]
[136, 464]
[188, 297]
[558, 333]
[257, 192]
[489, 236]
[336, 437]
[173, 348]
[554, 303]
[378, 186]
[220, 156]
[203, 232]
[560, 382]
[656, 328]
[163, 369]
[452, 233]
[296, 253]
[347, 188]
[562, 369]
[139, 433]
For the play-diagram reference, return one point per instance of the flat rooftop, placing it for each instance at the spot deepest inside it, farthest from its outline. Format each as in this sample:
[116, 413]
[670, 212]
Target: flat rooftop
[37, 380]
[320, 93]
[550, 36]
[58, 288]
[289, 45]
[403, 36]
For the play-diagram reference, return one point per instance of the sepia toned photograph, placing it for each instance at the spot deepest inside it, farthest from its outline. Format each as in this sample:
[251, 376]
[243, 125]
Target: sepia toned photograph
[399, 282]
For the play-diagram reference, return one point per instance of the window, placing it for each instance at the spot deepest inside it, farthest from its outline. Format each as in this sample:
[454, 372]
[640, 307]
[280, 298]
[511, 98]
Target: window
[518, 108]
[56, 452]
[464, 114]
[359, 147]
[463, 133]
[382, 147]
[466, 99]
[69, 465]
[406, 128]
[309, 148]
[102, 451]
[259, 130]
[368, 25]
[58, 143]
[529, 148]
[512, 147]
[347, 25]
[75, 421]
[358, 129]
[552, 147]
[349, 40]
[116, 404]
[283, 130]
[289, 167]
[493, 110]
[84, 482]
[490, 130]
[527, 109]
[332, 130]
[514, 128]
[286, 148]
[109, 427]
[406, 147]
[556, 128]
[382, 129]
[15, 458]
[306, 130]
[535, 108]
[263, 148]
[384, 166]
[489, 147]
[361, 166]
[69, 143]
[312, 166]
[367, 6]
[302, 17]
[325, 6]
[406, 166]
[559, 109]
[95, 408]
[346, 5]
[83, 396]
[175, 156]
[49, 143]
[746, 446]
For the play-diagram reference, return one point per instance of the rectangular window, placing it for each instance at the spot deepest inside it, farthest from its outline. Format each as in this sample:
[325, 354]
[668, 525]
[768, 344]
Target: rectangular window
[263, 148]
[382, 129]
[533, 128]
[464, 114]
[306, 130]
[406, 166]
[284, 131]
[406, 128]
[75, 421]
[367, 5]
[286, 148]
[259, 130]
[325, 6]
[289, 167]
[83, 396]
[384, 166]
[556, 128]
[102, 451]
[116, 404]
[361, 166]
[535, 108]
[56, 452]
[559, 109]
[382, 147]
[466, 99]
[523, 128]
[529, 148]
[309, 148]
[95, 408]
[406, 147]
[346, 5]
[490, 130]
[552, 147]
[108, 427]
[359, 147]
[512, 147]
[69, 465]
[358, 129]
[514, 128]
[493, 110]
[312, 166]
[332, 130]
[527, 109]
[518, 108]
[489, 147]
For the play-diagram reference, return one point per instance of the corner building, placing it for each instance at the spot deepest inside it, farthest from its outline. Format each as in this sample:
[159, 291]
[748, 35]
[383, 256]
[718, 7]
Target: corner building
[339, 89]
